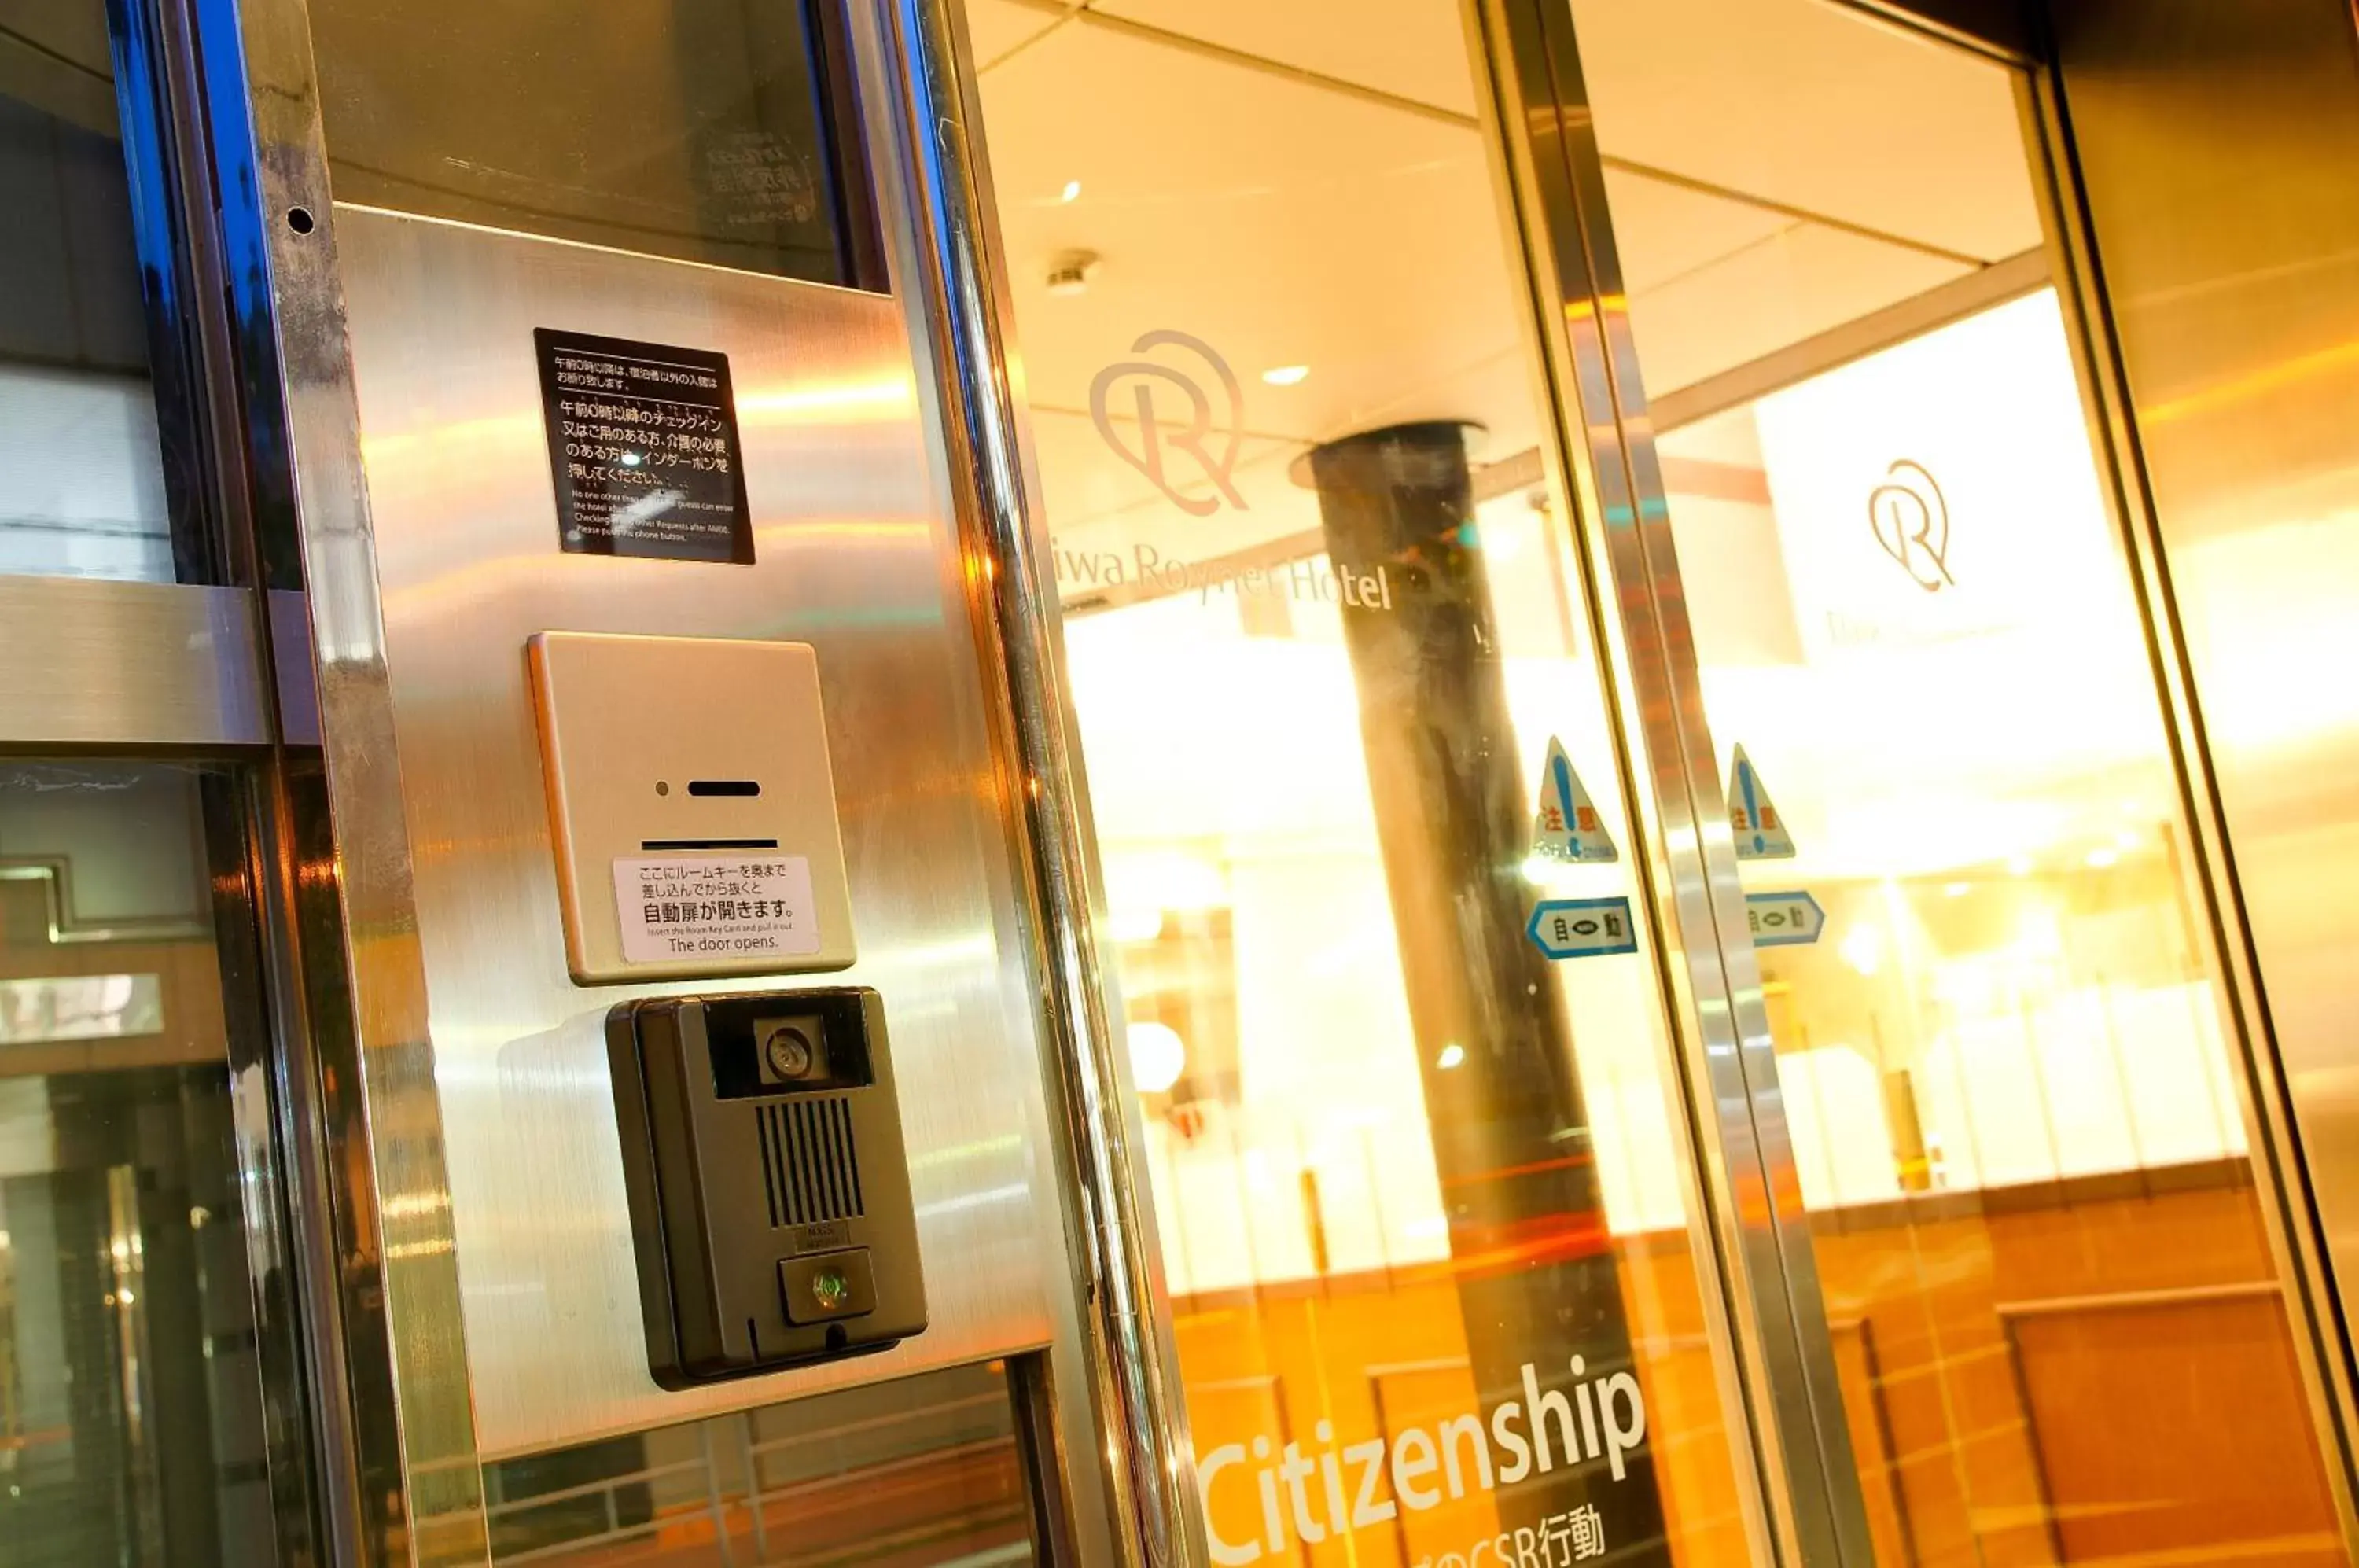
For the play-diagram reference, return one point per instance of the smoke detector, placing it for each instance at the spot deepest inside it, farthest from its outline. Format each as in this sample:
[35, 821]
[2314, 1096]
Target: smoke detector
[1070, 272]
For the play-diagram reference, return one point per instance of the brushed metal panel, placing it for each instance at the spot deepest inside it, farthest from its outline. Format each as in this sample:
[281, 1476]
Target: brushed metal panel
[856, 556]
[146, 664]
[2215, 146]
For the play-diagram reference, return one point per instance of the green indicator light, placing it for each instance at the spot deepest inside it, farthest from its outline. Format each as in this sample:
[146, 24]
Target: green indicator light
[828, 1288]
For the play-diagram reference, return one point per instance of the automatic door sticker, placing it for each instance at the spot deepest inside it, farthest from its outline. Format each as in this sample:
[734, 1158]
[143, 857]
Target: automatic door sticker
[1582, 928]
[1752, 817]
[683, 909]
[1784, 919]
[1568, 827]
[1156, 429]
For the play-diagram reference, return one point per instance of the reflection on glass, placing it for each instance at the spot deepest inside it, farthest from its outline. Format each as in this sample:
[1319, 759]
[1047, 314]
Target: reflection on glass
[920, 1472]
[130, 1399]
[82, 485]
[80, 1006]
[2014, 1112]
[697, 129]
[1321, 630]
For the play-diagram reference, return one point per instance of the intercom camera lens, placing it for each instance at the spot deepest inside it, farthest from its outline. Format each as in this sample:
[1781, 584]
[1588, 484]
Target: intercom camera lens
[788, 1052]
[830, 1287]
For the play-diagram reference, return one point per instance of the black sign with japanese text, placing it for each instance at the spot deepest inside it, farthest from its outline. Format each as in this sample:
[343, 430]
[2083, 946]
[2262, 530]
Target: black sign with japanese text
[643, 448]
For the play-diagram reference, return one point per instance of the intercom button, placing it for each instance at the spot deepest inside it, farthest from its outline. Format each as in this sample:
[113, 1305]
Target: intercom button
[825, 1286]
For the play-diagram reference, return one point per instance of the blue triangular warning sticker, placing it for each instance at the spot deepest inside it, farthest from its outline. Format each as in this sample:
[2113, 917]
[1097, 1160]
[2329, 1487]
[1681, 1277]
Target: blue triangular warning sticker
[1752, 817]
[1568, 827]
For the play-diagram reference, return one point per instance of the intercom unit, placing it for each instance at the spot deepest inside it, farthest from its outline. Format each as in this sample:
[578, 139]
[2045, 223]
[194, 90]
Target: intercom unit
[769, 1193]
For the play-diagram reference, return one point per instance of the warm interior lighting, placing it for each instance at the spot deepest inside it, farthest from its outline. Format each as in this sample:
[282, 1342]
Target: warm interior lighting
[1137, 924]
[1453, 1055]
[1555, 875]
[2038, 934]
[1072, 192]
[1163, 879]
[1286, 375]
[1158, 1056]
[36, 1010]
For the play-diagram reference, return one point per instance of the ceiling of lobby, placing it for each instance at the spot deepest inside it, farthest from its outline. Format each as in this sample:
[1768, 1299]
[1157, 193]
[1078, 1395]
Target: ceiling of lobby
[1307, 183]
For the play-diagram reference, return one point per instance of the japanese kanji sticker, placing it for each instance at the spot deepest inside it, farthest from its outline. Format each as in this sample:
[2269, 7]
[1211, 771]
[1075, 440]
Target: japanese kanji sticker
[684, 907]
[643, 450]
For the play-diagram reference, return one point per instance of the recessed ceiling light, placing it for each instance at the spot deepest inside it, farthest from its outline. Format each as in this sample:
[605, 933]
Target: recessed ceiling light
[1073, 191]
[1285, 375]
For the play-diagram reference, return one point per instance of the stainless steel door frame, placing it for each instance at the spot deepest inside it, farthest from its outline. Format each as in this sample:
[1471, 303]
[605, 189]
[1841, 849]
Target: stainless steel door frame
[1771, 1340]
[355, 1155]
[96, 664]
[2115, 50]
[314, 1248]
[931, 152]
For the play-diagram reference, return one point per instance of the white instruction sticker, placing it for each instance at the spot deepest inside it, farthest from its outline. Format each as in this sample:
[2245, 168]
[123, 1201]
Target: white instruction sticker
[681, 909]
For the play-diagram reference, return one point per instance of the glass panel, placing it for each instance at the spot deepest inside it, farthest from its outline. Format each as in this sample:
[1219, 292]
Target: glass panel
[82, 479]
[1418, 1185]
[131, 1424]
[691, 128]
[921, 1471]
[2014, 1109]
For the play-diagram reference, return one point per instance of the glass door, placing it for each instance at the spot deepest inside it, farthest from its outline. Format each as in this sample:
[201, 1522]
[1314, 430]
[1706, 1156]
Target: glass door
[1440, 1278]
[1366, 569]
[131, 1415]
[2015, 1097]
[82, 456]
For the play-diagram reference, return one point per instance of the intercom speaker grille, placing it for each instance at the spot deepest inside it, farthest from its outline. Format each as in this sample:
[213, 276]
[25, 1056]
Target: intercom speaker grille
[808, 1161]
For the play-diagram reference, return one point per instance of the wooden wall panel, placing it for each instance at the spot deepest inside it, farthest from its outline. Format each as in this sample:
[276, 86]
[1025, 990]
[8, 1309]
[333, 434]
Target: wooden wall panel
[1859, 1368]
[2200, 1437]
[2003, 1393]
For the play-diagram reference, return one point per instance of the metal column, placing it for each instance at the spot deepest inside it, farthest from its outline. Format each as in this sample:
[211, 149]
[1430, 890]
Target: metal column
[1535, 1271]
